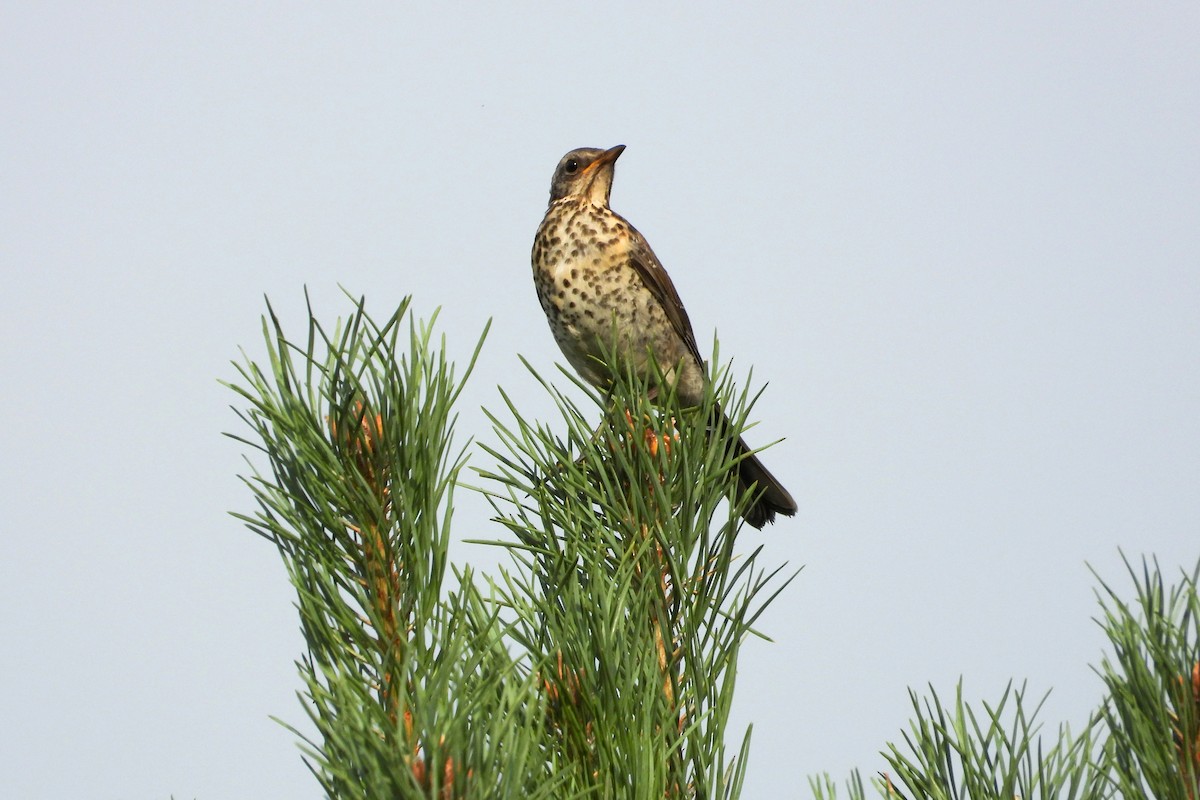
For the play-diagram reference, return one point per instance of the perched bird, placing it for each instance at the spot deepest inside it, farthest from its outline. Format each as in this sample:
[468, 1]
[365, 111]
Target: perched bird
[594, 272]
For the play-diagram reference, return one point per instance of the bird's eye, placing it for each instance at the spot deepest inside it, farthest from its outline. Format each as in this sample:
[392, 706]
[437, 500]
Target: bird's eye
[571, 167]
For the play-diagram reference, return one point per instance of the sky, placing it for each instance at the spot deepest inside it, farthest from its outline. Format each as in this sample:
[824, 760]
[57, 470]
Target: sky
[959, 243]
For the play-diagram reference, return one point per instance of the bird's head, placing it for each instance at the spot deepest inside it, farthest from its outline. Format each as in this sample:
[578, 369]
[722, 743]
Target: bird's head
[585, 173]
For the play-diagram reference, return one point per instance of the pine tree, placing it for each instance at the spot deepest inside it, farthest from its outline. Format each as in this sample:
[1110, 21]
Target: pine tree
[601, 664]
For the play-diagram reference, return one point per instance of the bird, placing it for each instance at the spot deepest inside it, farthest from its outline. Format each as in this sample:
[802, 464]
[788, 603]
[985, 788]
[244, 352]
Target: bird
[600, 284]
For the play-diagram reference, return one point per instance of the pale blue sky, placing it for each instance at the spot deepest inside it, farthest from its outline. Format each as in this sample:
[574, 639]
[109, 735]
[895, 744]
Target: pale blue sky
[960, 241]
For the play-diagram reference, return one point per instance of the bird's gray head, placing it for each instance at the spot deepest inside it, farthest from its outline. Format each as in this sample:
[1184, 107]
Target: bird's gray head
[585, 173]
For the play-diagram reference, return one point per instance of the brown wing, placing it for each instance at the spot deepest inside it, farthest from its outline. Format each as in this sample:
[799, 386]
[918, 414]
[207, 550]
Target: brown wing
[659, 283]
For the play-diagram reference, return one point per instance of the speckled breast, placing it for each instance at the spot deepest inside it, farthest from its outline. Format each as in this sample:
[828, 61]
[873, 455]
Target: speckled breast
[587, 285]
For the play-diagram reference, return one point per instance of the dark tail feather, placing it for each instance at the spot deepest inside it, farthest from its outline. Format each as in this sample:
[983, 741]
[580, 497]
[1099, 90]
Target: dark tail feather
[771, 497]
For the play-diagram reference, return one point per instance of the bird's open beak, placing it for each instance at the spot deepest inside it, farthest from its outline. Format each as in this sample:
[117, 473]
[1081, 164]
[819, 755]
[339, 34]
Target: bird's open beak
[607, 157]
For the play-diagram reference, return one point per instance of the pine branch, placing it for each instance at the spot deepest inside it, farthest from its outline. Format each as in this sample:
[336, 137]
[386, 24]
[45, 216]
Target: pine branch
[409, 691]
[1153, 682]
[630, 597]
[1144, 742]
